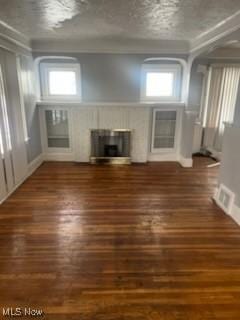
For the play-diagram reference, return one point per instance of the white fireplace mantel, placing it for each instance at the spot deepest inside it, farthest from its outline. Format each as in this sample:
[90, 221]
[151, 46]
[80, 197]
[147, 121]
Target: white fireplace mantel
[138, 117]
[109, 104]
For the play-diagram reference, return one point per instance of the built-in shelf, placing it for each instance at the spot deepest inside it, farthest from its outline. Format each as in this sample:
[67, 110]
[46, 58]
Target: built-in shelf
[163, 130]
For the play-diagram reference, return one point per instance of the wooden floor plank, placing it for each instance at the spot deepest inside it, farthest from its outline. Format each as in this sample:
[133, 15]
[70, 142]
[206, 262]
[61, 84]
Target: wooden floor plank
[120, 242]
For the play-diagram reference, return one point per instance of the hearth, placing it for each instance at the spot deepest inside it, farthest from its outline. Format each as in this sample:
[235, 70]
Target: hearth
[110, 146]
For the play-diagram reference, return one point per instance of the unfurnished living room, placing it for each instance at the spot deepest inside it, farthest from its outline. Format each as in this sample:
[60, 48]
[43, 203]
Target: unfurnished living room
[120, 159]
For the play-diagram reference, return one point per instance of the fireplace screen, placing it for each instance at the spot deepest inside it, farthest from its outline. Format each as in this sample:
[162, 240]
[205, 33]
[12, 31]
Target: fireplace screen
[110, 144]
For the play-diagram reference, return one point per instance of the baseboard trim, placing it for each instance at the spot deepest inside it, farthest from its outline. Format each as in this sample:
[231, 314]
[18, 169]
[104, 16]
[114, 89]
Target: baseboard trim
[235, 214]
[35, 164]
[12, 191]
[32, 166]
[234, 210]
[59, 157]
[159, 157]
[186, 162]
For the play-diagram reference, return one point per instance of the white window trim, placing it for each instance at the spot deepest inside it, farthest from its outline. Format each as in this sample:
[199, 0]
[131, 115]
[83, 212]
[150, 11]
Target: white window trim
[45, 68]
[173, 68]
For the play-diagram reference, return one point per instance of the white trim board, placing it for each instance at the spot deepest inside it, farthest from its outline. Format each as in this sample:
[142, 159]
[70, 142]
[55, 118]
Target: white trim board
[186, 162]
[110, 104]
[235, 214]
[35, 164]
[13, 40]
[64, 157]
[159, 157]
[32, 166]
[219, 31]
[171, 157]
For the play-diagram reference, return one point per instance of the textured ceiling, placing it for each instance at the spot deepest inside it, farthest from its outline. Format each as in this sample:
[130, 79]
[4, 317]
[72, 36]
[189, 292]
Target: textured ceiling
[115, 19]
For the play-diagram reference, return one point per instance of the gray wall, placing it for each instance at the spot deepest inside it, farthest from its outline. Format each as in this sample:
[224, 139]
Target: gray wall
[110, 77]
[188, 123]
[196, 83]
[237, 109]
[230, 164]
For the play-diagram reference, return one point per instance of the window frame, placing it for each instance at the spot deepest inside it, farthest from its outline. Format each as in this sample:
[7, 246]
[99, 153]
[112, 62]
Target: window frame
[46, 68]
[175, 69]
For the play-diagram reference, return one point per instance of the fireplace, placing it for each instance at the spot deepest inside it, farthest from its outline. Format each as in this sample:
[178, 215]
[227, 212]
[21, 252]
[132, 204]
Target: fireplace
[111, 150]
[111, 146]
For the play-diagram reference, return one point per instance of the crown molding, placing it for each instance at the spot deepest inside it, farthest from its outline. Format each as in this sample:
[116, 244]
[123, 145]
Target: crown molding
[13, 40]
[224, 53]
[111, 46]
[16, 41]
[218, 32]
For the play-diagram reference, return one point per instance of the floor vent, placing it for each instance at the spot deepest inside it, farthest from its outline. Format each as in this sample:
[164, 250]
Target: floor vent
[225, 198]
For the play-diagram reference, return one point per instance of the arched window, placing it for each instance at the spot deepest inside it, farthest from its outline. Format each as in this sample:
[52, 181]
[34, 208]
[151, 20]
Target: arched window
[59, 79]
[161, 80]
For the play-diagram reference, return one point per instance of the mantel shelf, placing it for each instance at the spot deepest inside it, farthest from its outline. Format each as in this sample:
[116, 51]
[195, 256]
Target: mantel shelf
[109, 104]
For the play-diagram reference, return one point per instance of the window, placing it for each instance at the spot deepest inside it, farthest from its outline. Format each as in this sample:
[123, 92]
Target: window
[60, 81]
[161, 82]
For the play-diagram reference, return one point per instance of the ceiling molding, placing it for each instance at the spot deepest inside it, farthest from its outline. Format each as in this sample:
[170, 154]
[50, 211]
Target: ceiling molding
[112, 46]
[13, 40]
[224, 53]
[221, 30]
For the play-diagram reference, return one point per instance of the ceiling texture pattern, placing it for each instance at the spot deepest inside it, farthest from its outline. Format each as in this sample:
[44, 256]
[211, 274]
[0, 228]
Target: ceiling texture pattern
[115, 19]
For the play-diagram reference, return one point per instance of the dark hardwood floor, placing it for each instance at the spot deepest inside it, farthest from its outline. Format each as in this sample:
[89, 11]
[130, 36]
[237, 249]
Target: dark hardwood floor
[120, 242]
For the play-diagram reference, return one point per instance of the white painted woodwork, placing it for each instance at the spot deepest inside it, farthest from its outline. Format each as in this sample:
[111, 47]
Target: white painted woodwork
[85, 118]
[19, 153]
[113, 118]
[139, 119]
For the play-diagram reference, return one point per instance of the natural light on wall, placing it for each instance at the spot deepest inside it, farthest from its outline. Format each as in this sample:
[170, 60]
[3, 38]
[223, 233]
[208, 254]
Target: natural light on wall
[159, 84]
[62, 83]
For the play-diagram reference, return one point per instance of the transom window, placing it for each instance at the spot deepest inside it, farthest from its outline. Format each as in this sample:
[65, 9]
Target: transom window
[60, 81]
[161, 82]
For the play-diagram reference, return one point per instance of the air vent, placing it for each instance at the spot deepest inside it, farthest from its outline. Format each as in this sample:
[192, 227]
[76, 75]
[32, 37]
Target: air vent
[225, 198]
